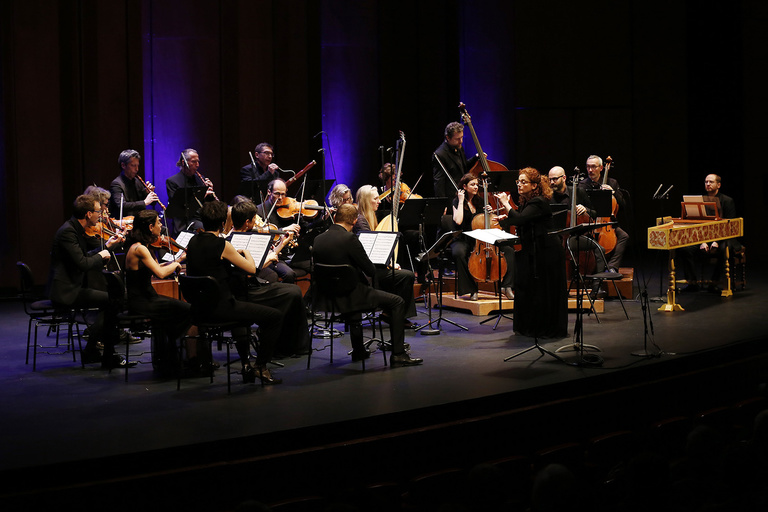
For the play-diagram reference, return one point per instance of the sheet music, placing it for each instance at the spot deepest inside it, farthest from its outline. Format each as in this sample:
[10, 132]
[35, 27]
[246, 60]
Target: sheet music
[378, 245]
[184, 238]
[490, 235]
[256, 243]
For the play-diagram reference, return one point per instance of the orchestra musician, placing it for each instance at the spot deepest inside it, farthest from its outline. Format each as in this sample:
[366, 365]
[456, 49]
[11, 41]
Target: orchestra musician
[466, 205]
[294, 336]
[265, 170]
[541, 305]
[208, 254]
[70, 261]
[593, 182]
[561, 194]
[340, 194]
[304, 230]
[171, 318]
[400, 282]
[187, 177]
[693, 256]
[452, 157]
[410, 237]
[129, 189]
[338, 246]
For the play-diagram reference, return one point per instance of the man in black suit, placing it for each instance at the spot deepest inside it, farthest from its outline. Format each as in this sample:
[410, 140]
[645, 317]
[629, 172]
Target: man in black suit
[688, 257]
[126, 187]
[187, 217]
[451, 155]
[338, 246]
[265, 170]
[70, 262]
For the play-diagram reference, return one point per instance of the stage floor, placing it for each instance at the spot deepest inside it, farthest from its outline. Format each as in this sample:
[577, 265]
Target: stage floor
[62, 413]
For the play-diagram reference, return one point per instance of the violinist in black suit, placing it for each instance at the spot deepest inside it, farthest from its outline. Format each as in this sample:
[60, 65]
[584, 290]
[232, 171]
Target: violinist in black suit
[338, 246]
[451, 156]
[71, 260]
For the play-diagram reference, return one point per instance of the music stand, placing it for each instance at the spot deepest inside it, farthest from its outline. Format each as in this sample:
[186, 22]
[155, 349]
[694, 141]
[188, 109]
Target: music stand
[499, 239]
[185, 203]
[314, 189]
[578, 329]
[254, 190]
[434, 252]
[601, 202]
[503, 181]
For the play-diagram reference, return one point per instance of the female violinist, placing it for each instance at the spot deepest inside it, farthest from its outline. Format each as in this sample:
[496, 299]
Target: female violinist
[399, 282]
[541, 305]
[466, 205]
[170, 316]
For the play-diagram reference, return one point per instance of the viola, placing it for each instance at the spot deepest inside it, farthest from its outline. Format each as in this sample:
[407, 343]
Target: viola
[290, 207]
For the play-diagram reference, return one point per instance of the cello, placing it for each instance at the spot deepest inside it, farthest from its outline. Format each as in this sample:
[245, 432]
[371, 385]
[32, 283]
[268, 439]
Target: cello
[485, 262]
[606, 236]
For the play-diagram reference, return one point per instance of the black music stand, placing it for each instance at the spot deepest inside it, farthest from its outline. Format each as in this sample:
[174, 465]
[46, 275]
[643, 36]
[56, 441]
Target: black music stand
[314, 189]
[502, 181]
[500, 244]
[435, 252]
[185, 204]
[578, 342]
[255, 190]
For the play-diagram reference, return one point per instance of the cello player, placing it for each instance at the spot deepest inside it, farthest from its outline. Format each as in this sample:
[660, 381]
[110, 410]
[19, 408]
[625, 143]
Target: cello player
[593, 182]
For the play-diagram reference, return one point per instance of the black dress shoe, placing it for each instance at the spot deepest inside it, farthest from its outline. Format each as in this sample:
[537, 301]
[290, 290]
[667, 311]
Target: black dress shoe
[410, 325]
[359, 355]
[116, 361]
[405, 359]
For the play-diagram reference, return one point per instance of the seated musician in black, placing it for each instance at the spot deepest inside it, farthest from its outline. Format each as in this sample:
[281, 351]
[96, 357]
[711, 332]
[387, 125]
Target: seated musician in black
[294, 335]
[171, 318]
[466, 205]
[593, 182]
[71, 259]
[561, 194]
[304, 231]
[693, 256]
[338, 246]
[210, 255]
[399, 281]
[128, 195]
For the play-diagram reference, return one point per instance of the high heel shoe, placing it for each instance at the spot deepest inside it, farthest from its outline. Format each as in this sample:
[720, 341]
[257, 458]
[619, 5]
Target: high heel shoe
[266, 377]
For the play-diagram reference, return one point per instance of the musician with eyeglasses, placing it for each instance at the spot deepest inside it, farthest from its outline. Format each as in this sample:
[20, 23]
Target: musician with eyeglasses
[264, 170]
[593, 182]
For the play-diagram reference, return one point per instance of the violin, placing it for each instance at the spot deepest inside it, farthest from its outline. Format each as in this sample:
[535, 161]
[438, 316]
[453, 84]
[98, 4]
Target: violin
[260, 226]
[405, 194]
[290, 207]
[166, 242]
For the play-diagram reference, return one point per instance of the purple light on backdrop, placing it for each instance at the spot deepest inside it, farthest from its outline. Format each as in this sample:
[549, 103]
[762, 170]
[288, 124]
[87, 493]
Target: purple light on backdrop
[349, 81]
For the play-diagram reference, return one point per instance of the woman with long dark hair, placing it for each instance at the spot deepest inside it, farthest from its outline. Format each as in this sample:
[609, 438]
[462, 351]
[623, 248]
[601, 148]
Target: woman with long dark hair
[466, 205]
[170, 316]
